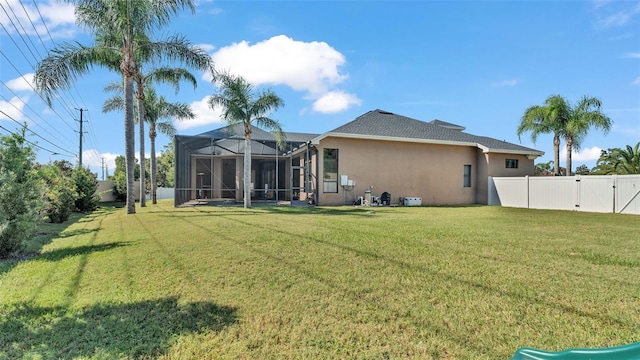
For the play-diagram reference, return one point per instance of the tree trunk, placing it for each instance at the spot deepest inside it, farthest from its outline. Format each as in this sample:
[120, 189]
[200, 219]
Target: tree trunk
[247, 171]
[556, 155]
[569, 141]
[143, 201]
[129, 143]
[152, 138]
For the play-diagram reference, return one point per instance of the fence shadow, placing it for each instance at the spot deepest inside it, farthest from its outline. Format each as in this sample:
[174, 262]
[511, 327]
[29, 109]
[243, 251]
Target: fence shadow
[137, 330]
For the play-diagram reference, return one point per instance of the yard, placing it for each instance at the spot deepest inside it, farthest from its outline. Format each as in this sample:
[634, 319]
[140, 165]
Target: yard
[282, 282]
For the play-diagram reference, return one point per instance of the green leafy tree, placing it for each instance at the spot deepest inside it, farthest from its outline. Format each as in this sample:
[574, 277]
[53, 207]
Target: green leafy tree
[20, 193]
[559, 118]
[59, 190]
[243, 106]
[166, 167]
[606, 163]
[119, 178]
[543, 169]
[121, 28]
[86, 184]
[583, 170]
[619, 161]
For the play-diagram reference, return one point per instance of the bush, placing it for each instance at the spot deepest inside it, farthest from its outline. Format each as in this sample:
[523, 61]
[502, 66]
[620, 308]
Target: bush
[59, 190]
[20, 197]
[86, 184]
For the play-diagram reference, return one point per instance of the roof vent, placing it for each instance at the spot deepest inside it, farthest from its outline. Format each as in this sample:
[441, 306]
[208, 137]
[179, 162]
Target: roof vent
[385, 112]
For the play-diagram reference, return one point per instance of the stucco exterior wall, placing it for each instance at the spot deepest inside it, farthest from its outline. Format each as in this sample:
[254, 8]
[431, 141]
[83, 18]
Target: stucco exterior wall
[403, 169]
[496, 165]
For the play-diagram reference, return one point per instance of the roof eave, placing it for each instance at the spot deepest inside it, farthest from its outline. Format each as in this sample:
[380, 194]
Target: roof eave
[531, 154]
[317, 140]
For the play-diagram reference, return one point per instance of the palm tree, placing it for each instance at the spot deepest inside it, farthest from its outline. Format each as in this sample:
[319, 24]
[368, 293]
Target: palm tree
[179, 48]
[158, 109]
[557, 116]
[582, 117]
[167, 75]
[628, 160]
[242, 106]
[122, 22]
[545, 119]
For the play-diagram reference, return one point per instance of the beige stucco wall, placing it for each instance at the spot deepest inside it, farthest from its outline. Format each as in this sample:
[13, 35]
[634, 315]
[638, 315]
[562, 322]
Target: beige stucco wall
[432, 172]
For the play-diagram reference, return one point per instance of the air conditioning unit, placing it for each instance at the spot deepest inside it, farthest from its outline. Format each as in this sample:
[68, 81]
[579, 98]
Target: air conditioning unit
[412, 201]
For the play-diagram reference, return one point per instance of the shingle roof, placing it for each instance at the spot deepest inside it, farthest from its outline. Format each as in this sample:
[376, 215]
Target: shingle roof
[386, 125]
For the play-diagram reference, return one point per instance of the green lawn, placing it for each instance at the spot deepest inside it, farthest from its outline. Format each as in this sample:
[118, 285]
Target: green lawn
[282, 282]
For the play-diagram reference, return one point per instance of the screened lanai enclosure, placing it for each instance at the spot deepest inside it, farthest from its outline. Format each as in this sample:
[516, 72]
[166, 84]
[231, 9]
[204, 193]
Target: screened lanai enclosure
[209, 167]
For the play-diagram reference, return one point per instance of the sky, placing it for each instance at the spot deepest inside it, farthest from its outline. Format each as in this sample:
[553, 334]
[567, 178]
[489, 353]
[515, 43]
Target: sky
[479, 64]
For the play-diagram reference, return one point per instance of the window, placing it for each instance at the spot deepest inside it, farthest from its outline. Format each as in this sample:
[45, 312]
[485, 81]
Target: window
[330, 171]
[511, 163]
[467, 176]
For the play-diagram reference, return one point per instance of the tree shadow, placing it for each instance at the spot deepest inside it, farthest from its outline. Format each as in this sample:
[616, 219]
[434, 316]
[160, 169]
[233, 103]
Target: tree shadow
[60, 254]
[138, 330]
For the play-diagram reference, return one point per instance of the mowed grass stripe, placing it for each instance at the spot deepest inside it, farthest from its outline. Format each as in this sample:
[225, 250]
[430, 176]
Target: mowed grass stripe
[280, 282]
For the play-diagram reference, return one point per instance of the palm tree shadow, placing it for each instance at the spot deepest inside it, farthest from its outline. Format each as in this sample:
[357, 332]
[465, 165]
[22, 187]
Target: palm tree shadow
[137, 330]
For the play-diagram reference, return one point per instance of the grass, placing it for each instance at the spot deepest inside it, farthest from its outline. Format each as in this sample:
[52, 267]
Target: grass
[284, 282]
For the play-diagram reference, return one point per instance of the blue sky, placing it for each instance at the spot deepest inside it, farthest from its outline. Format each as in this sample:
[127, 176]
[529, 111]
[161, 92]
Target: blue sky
[478, 64]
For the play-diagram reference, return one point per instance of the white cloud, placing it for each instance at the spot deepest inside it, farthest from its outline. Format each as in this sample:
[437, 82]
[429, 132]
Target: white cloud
[304, 66]
[206, 47]
[505, 83]
[93, 159]
[204, 115]
[636, 81]
[588, 154]
[13, 108]
[632, 55]
[619, 18]
[600, 3]
[59, 17]
[335, 101]
[23, 83]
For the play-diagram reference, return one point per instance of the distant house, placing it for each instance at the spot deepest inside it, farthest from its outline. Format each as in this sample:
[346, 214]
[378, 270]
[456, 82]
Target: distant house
[378, 152]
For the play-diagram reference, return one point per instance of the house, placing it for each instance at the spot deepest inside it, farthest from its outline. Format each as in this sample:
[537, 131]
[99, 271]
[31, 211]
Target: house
[378, 152]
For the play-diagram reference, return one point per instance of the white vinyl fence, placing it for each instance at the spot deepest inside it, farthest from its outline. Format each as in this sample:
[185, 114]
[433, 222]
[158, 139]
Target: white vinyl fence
[163, 193]
[591, 193]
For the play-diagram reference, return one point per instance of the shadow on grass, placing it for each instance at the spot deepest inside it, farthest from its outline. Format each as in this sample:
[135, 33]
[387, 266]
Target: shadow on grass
[60, 254]
[47, 232]
[282, 210]
[139, 330]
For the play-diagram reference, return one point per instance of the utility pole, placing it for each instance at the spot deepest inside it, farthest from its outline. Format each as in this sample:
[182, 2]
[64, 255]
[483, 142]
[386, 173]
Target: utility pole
[103, 169]
[81, 121]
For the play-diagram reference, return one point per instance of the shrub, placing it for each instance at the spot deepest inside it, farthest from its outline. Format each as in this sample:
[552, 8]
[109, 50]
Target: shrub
[86, 184]
[59, 191]
[20, 197]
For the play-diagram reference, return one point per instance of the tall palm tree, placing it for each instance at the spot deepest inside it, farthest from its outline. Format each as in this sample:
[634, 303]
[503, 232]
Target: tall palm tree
[157, 110]
[167, 75]
[582, 117]
[243, 106]
[123, 21]
[546, 119]
[561, 119]
[178, 47]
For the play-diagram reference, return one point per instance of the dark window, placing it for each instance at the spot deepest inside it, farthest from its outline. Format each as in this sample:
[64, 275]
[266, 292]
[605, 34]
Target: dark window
[511, 163]
[330, 173]
[467, 176]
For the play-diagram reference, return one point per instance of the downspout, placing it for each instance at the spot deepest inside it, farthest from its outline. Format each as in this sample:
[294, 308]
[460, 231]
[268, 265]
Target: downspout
[317, 191]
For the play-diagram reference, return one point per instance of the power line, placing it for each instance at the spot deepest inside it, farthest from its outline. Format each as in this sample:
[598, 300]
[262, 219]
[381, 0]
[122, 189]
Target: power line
[16, 121]
[34, 144]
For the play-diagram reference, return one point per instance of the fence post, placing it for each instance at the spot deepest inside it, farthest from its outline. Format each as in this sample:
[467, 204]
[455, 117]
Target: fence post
[526, 179]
